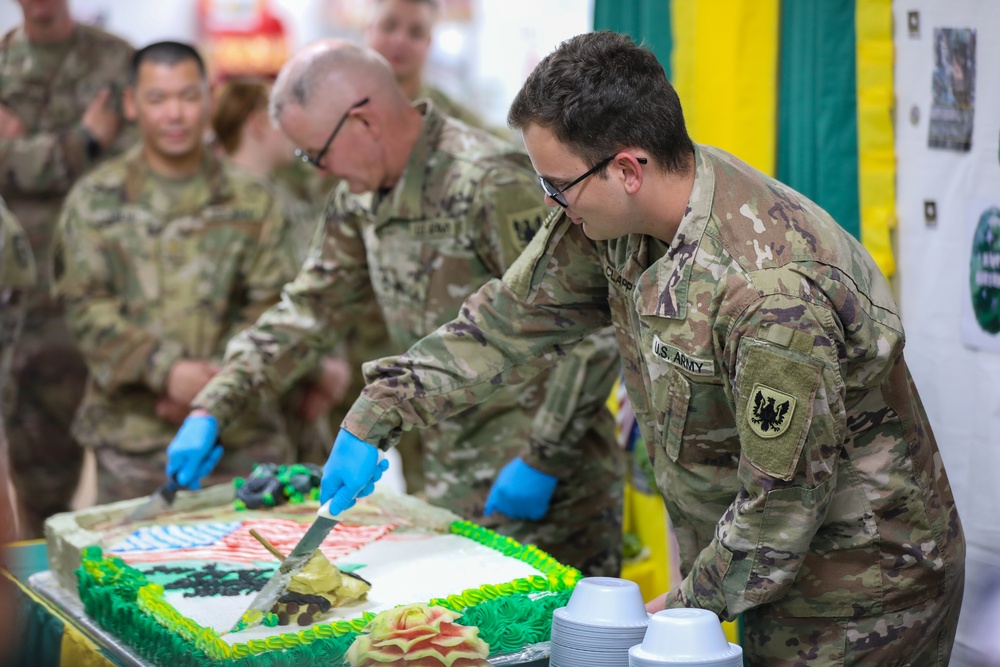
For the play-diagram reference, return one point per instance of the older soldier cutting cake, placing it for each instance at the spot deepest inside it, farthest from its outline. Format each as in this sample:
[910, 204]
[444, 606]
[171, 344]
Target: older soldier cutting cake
[427, 212]
[763, 356]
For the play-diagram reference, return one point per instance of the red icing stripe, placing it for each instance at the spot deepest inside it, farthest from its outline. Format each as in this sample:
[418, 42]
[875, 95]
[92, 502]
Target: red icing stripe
[240, 546]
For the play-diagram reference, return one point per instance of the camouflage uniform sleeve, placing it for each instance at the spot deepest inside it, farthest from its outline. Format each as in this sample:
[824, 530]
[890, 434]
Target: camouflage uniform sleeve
[314, 312]
[116, 351]
[553, 296]
[44, 162]
[788, 394]
[514, 210]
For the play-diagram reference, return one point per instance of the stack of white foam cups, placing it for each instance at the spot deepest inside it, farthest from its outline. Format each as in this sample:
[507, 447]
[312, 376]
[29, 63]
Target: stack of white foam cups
[602, 620]
[605, 623]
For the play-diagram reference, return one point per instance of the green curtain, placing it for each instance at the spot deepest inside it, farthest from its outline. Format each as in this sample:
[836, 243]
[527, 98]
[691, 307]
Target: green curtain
[817, 152]
[646, 21]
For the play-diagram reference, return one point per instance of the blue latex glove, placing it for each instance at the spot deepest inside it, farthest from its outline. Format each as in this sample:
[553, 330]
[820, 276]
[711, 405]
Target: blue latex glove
[521, 492]
[350, 472]
[193, 453]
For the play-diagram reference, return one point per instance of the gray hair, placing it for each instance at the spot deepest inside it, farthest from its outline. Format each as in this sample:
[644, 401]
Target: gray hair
[356, 69]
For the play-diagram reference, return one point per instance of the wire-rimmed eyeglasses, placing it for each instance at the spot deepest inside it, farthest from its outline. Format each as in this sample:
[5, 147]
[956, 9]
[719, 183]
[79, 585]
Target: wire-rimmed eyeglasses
[556, 194]
[318, 160]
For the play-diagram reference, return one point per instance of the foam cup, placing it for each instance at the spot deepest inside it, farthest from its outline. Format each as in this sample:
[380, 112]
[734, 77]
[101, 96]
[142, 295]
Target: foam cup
[686, 636]
[607, 600]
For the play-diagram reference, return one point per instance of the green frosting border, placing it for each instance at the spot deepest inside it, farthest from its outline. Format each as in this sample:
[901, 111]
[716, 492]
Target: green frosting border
[508, 615]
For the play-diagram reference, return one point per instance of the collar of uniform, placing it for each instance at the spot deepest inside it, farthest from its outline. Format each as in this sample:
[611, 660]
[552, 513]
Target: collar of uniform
[405, 200]
[663, 288]
[211, 168]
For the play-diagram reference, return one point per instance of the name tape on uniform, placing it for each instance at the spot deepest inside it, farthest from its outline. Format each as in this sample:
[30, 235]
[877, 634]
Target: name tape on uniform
[673, 355]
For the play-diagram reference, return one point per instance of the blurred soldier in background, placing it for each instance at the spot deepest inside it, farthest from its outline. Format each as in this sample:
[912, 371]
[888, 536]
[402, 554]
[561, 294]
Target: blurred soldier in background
[160, 257]
[59, 115]
[401, 31]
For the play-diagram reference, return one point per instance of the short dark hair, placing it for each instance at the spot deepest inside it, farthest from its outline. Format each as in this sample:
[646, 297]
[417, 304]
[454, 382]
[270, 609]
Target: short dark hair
[599, 93]
[164, 53]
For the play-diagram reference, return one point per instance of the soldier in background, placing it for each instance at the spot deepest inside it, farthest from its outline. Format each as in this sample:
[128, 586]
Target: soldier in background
[401, 31]
[162, 255]
[59, 116]
[763, 355]
[427, 211]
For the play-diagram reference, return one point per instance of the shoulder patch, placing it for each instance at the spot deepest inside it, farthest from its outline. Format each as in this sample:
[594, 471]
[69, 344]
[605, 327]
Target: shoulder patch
[520, 277]
[518, 211]
[525, 224]
[777, 387]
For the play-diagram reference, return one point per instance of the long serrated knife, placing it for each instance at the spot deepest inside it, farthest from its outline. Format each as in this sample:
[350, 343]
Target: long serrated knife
[290, 567]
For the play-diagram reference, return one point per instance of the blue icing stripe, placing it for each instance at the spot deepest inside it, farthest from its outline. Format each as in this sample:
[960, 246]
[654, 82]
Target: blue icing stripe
[153, 538]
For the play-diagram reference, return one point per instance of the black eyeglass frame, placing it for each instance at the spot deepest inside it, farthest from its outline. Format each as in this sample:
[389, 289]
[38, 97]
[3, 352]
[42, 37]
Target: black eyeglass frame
[318, 160]
[557, 195]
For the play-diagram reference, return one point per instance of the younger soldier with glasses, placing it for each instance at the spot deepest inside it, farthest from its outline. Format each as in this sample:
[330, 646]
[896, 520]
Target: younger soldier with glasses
[763, 356]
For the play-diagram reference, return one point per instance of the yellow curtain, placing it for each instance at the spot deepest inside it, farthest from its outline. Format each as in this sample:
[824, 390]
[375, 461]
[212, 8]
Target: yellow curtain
[876, 142]
[725, 69]
[78, 650]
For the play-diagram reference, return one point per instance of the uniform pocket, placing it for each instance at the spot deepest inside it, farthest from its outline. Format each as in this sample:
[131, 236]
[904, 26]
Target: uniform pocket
[675, 413]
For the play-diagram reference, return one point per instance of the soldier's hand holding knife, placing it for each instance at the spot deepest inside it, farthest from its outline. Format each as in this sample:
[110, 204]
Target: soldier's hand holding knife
[350, 472]
[193, 453]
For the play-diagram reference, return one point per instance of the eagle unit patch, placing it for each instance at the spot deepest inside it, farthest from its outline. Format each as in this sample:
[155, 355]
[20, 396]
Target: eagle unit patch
[525, 224]
[770, 411]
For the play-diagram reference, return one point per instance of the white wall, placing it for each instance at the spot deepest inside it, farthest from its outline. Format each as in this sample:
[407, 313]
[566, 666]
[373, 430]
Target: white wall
[482, 64]
[960, 386]
[138, 21]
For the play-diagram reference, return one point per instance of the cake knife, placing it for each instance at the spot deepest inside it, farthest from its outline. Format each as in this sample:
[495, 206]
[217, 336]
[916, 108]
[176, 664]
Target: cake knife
[290, 567]
[160, 501]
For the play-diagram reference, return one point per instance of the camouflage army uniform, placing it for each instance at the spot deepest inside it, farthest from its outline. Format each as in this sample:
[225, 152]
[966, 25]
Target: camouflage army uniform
[304, 188]
[150, 272]
[461, 213]
[49, 88]
[17, 274]
[449, 107]
[763, 358]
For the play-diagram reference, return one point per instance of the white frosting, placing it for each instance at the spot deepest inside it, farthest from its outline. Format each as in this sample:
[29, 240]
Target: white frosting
[402, 567]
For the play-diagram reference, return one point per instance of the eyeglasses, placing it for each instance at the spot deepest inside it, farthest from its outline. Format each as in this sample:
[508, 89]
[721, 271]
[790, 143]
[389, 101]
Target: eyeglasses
[318, 160]
[556, 195]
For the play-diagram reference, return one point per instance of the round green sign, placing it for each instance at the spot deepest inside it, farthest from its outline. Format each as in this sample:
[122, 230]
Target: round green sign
[984, 271]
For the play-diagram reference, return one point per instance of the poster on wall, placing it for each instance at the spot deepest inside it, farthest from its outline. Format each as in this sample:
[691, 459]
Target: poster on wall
[981, 307]
[954, 89]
